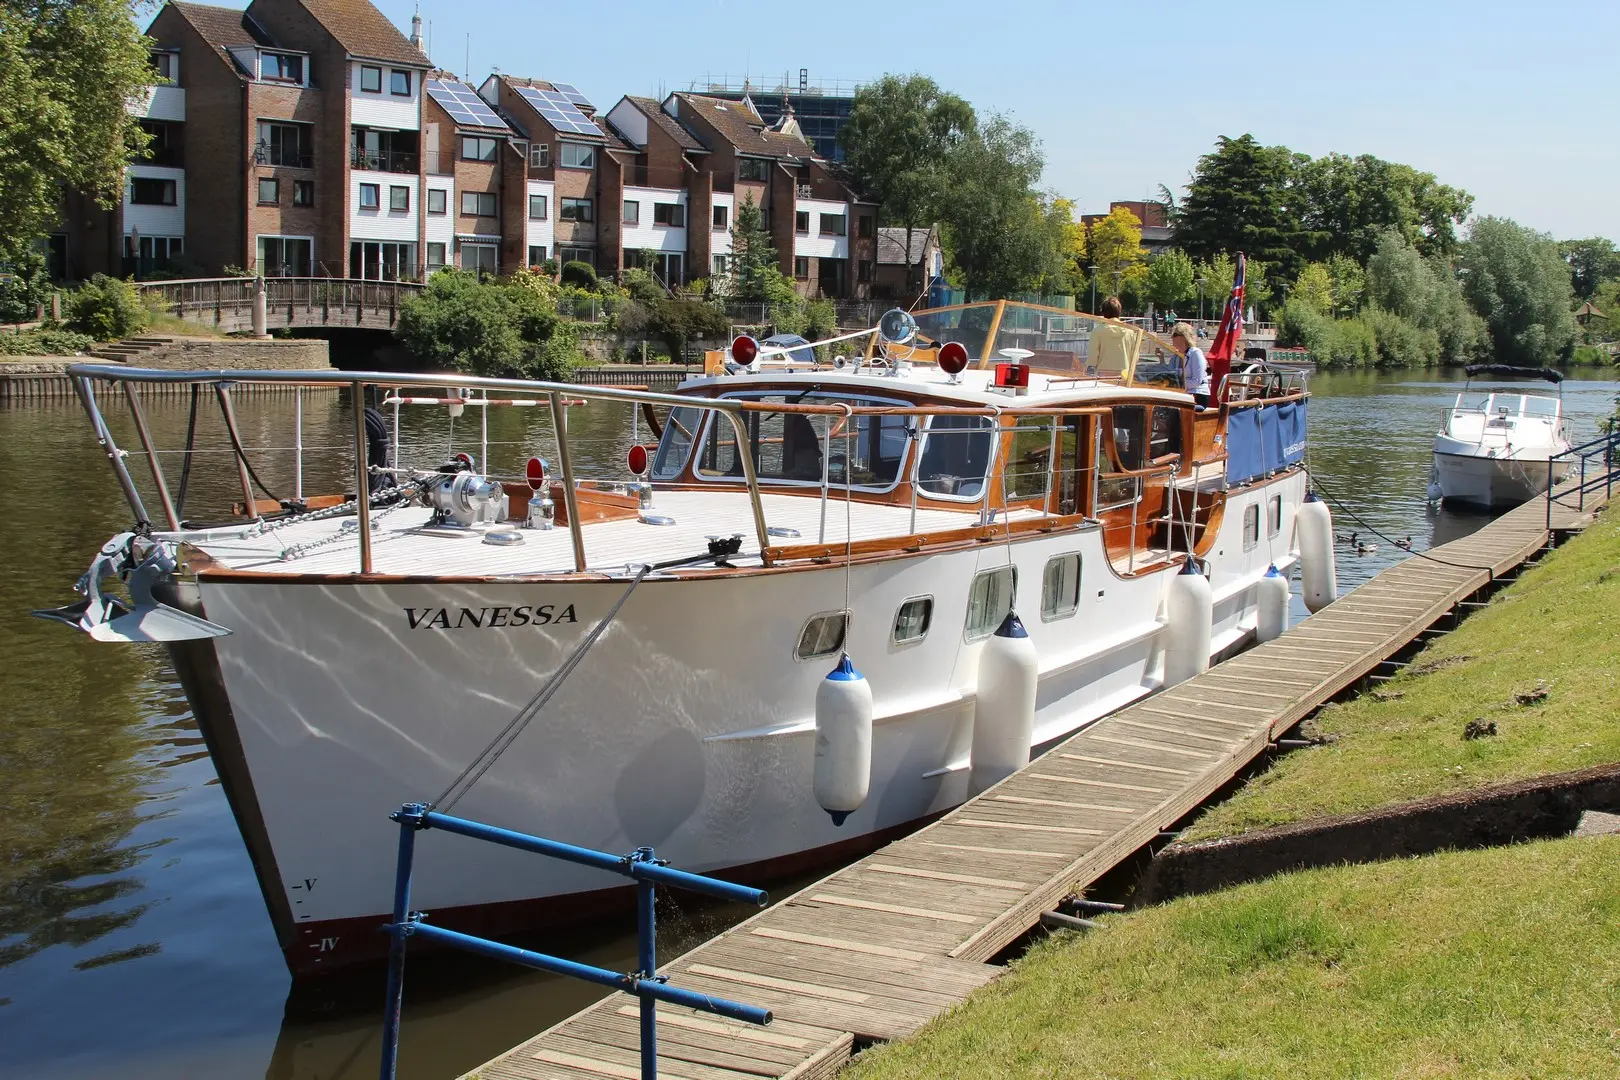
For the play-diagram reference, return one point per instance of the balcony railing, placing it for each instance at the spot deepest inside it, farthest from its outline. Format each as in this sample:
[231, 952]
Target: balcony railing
[394, 161]
[439, 164]
[290, 156]
[169, 157]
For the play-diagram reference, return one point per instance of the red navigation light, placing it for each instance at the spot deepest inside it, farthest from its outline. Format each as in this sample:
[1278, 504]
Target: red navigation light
[637, 459]
[536, 472]
[953, 358]
[1012, 376]
[744, 350]
[466, 459]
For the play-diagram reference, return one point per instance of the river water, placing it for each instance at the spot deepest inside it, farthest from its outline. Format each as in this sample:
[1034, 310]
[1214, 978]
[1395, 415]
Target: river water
[133, 939]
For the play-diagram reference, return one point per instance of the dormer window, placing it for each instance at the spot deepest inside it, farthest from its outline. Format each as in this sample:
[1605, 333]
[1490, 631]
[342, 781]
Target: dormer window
[753, 169]
[577, 156]
[167, 66]
[282, 67]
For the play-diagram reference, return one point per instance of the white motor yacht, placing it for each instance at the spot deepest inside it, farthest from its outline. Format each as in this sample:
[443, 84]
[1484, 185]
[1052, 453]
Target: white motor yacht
[1499, 449]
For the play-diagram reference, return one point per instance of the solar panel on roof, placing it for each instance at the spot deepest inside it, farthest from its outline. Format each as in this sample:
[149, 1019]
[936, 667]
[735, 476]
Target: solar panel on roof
[571, 92]
[559, 111]
[463, 105]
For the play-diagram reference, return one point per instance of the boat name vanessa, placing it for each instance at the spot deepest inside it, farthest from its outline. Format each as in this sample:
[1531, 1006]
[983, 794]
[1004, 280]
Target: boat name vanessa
[488, 618]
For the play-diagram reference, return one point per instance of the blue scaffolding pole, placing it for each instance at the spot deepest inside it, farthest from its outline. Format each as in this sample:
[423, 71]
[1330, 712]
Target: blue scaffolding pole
[646, 984]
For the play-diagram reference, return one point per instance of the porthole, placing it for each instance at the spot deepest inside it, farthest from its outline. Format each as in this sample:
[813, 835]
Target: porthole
[823, 635]
[989, 601]
[1060, 587]
[912, 620]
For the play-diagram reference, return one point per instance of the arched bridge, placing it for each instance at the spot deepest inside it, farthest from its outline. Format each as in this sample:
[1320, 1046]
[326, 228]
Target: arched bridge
[226, 304]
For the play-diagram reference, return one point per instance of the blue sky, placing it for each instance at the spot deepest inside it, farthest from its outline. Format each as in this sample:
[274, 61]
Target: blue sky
[1518, 104]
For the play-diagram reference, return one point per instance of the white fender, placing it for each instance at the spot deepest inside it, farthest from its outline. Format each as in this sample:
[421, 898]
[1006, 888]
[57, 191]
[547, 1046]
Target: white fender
[1004, 708]
[843, 771]
[1189, 610]
[1318, 575]
[1272, 600]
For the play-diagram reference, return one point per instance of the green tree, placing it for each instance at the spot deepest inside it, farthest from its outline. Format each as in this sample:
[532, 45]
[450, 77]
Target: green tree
[1424, 292]
[1244, 197]
[486, 328]
[68, 71]
[106, 308]
[1000, 232]
[897, 145]
[1349, 282]
[755, 275]
[1347, 203]
[1517, 280]
[1114, 247]
[1170, 279]
[1591, 262]
[1314, 286]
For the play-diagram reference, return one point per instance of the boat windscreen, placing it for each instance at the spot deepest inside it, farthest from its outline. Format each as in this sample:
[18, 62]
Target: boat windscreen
[1057, 340]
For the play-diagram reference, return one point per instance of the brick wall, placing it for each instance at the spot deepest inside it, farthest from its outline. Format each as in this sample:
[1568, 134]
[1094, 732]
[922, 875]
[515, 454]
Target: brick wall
[207, 354]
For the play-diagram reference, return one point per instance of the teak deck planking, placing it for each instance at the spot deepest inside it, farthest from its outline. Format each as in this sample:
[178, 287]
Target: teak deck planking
[877, 949]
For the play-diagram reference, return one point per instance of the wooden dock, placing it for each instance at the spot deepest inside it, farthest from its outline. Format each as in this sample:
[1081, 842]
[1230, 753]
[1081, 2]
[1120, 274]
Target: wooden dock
[874, 951]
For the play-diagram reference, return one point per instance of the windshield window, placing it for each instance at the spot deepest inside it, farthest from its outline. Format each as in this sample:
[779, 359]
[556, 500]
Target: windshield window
[676, 445]
[788, 447]
[955, 456]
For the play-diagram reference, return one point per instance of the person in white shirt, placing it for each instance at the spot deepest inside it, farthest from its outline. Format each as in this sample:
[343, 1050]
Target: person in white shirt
[1196, 372]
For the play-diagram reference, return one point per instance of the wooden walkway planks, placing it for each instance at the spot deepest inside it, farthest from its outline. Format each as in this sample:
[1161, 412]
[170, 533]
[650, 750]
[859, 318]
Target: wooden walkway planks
[877, 949]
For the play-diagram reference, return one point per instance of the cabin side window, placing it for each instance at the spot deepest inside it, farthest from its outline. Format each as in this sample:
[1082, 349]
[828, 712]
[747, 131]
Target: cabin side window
[955, 457]
[1251, 526]
[823, 635]
[788, 446]
[676, 445]
[912, 620]
[1060, 587]
[1130, 444]
[989, 601]
[1029, 464]
[1274, 517]
[1166, 436]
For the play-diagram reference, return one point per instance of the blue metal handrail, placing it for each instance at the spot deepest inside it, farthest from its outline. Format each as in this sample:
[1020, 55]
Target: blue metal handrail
[645, 983]
[1606, 449]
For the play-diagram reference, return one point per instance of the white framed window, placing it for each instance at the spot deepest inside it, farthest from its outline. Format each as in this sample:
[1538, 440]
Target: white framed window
[1060, 587]
[281, 67]
[576, 156]
[912, 620]
[823, 635]
[989, 601]
[1274, 517]
[721, 264]
[539, 156]
[1251, 526]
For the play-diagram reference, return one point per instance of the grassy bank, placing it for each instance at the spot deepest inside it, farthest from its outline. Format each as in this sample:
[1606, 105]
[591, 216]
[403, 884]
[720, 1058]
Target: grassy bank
[1496, 963]
[1542, 663]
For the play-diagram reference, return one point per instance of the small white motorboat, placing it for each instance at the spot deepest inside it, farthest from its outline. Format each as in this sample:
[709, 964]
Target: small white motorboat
[1499, 449]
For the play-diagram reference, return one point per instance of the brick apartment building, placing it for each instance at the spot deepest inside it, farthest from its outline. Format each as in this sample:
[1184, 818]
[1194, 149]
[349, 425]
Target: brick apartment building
[1158, 236]
[314, 138]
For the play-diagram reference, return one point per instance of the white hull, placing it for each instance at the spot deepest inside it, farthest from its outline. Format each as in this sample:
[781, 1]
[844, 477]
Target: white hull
[689, 726]
[1494, 482]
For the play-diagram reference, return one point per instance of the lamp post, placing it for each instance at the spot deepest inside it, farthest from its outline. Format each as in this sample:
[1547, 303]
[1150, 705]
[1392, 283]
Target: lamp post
[1093, 269]
[1201, 281]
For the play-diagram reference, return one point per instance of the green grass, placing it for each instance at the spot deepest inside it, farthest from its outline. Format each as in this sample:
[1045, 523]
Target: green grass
[1495, 963]
[1558, 625]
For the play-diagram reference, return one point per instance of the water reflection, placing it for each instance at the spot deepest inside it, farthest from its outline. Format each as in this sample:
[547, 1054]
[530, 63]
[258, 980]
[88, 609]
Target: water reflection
[128, 907]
